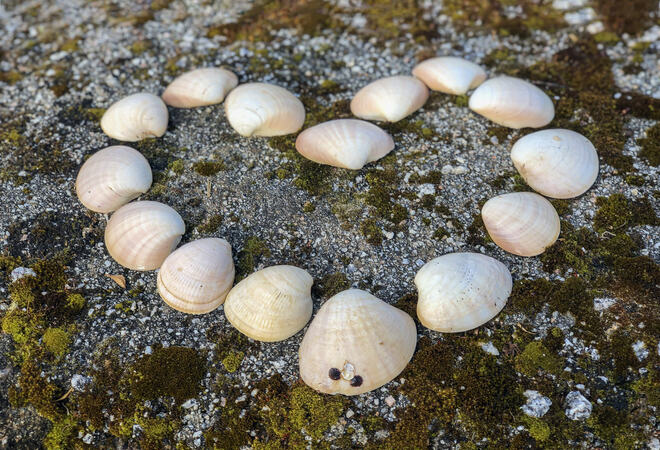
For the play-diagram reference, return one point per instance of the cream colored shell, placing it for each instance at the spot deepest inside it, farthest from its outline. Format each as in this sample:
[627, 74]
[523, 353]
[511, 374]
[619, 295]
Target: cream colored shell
[260, 109]
[449, 74]
[135, 117]
[390, 99]
[271, 304]
[112, 177]
[196, 277]
[347, 143]
[356, 343]
[522, 223]
[461, 291]
[140, 235]
[556, 163]
[513, 103]
[200, 87]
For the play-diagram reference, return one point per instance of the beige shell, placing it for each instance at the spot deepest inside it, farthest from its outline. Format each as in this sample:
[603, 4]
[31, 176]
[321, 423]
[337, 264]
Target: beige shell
[200, 87]
[449, 74]
[513, 103]
[355, 344]
[140, 235]
[556, 163]
[135, 117]
[522, 223]
[260, 109]
[347, 143]
[112, 177]
[271, 304]
[461, 291]
[390, 99]
[196, 277]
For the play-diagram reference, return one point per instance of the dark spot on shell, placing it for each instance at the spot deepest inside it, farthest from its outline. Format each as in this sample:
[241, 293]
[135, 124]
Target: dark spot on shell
[334, 373]
[356, 381]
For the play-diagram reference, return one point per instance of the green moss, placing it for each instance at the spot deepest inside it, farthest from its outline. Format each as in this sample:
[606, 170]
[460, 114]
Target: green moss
[613, 427]
[308, 207]
[208, 168]
[75, 302]
[606, 37]
[57, 341]
[651, 145]
[440, 233]
[39, 393]
[314, 412]
[177, 166]
[477, 234]
[331, 284]
[232, 361]
[140, 46]
[253, 250]
[211, 225]
[11, 77]
[616, 212]
[538, 429]
[382, 194]
[61, 434]
[626, 17]
[461, 101]
[371, 231]
[635, 180]
[537, 357]
[23, 327]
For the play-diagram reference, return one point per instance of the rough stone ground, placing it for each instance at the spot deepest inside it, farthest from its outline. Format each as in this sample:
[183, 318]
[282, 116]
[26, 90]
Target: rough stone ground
[71, 56]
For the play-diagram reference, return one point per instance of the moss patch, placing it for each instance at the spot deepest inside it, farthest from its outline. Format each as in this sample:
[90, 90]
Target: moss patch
[651, 145]
[208, 168]
[331, 284]
[627, 17]
[253, 250]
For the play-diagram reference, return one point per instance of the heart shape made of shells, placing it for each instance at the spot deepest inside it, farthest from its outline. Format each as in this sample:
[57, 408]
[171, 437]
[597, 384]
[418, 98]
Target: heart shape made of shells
[356, 342]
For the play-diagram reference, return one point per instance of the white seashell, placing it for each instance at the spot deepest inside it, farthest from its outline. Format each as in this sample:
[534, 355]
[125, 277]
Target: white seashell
[390, 99]
[356, 343]
[271, 304]
[200, 87]
[522, 223]
[196, 277]
[556, 163]
[513, 103]
[112, 177]
[135, 117]
[461, 291]
[449, 74]
[140, 235]
[260, 109]
[347, 143]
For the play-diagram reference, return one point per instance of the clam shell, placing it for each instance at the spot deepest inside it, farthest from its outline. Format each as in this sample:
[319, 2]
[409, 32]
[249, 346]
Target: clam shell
[260, 109]
[135, 117]
[513, 103]
[140, 235]
[347, 143]
[449, 74]
[522, 223]
[556, 163]
[356, 343]
[461, 291]
[390, 99]
[196, 277]
[112, 177]
[199, 87]
[271, 304]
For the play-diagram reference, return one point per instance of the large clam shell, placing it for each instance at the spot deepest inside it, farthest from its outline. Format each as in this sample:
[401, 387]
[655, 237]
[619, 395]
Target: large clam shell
[271, 304]
[522, 223]
[200, 87]
[112, 177]
[449, 74]
[140, 235]
[513, 103]
[356, 343]
[461, 291]
[557, 163]
[261, 109]
[347, 143]
[390, 99]
[135, 117]
[196, 277]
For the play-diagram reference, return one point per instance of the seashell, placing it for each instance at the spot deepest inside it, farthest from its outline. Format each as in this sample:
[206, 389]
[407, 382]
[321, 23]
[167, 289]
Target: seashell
[513, 103]
[390, 99]
[199, 87]
[347, 143]
[449, 74]
[135, 117]
[112, 177]
[271, 304]
[556, 163]
[140, 235]
[260, 109]
[461, 291]
[522, 223]
[356, 343]
[196, 277]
